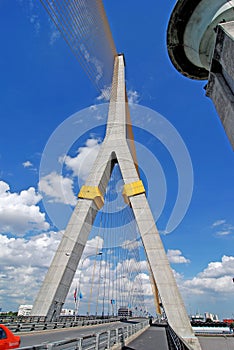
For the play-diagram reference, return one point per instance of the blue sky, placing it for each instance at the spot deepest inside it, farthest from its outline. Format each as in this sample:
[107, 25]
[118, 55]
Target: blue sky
[42, 85]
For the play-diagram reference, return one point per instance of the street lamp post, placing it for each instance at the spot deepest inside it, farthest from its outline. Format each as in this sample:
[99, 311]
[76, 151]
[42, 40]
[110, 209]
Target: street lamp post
[77, 298]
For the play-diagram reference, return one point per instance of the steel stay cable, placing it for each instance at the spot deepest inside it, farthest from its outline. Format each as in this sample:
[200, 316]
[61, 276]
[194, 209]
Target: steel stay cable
[106, 26]
[107, 267]
[136, 258]
[127, 251]
[70, 31]
[111, 238]
[57, 23]
[104, 277]
[101, 30]
[81, 16]
[64, 28]
[82, 28]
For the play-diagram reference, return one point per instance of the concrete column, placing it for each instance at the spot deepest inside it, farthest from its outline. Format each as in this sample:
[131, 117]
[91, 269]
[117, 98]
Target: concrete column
[220, 87]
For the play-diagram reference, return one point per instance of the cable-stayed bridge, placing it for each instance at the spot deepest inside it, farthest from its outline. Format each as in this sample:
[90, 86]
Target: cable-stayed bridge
[112, 204]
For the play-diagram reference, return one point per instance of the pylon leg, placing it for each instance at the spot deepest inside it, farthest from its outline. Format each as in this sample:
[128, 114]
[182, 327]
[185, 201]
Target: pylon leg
[56, 285]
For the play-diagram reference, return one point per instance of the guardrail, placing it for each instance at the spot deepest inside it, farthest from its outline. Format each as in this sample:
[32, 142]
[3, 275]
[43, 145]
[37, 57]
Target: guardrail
[39, 319]
[113, 338]
[24, 326]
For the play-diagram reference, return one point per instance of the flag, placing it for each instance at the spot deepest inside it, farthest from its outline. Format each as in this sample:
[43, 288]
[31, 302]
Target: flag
[75, 293]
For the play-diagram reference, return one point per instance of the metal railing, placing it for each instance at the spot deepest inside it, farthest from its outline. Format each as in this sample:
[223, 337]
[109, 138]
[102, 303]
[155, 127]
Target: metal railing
[174, 342]
[99, 341]
[26, 324]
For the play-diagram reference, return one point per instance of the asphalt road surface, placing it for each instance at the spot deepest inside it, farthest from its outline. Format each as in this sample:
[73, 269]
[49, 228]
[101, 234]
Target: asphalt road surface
[153, 338]
[48, 336]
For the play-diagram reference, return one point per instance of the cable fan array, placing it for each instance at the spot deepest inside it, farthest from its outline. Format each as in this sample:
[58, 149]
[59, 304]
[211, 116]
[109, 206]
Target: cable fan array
[85, 28]
[112, 278]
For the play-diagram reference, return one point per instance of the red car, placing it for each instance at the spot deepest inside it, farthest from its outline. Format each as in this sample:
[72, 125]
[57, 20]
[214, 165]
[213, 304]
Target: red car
[7, 339]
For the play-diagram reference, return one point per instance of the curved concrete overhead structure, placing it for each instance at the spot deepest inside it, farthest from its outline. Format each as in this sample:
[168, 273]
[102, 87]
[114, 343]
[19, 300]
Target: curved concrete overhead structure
[191, 34]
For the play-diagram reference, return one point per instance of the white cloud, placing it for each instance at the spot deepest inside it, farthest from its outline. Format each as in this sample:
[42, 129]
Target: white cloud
[36, 251]
[218, 223]
[105, 94]
[133, 97]
[59, 188]
[225, 232]
[131, 245]
[34, 20]
[93, 247]
[224, 228]
[19, 212]
[219, 268]
[215, 278]
[54, 33]
[93, 107]
[131, 265]
[27, 164]
[82, 163]
[96, 64]
[142, 280]
[31, 10]
[215, 285]
[24, 263]
[176, 257]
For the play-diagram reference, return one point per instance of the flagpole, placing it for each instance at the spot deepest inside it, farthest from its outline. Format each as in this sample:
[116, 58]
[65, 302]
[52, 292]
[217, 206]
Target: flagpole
[77, 294]
[75, 298]
[78, 302]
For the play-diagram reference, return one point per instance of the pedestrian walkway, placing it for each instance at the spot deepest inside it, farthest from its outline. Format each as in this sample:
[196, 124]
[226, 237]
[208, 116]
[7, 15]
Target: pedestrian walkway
[152, 339]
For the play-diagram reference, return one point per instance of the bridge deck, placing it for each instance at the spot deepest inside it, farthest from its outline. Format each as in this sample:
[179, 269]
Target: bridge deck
[153, 338]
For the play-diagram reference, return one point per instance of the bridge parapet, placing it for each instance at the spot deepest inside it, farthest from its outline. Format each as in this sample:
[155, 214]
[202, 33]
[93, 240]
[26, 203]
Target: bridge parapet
[109, 339]
[34, 324]
[175, 342]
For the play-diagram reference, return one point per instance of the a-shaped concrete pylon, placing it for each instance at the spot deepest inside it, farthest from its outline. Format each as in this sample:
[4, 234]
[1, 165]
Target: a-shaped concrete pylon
[63, 267]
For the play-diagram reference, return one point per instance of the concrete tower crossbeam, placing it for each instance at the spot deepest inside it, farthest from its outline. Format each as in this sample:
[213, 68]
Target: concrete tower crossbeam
[114, 149]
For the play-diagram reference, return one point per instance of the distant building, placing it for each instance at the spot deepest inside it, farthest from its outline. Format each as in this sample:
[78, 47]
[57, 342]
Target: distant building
[229, 320]
[124, 312]
[67, 312]
[209, 316]
[198, 318]
[25, 310]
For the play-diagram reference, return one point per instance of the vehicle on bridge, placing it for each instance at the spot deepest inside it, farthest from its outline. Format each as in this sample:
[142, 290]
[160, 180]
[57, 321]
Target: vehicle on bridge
[7, 339]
